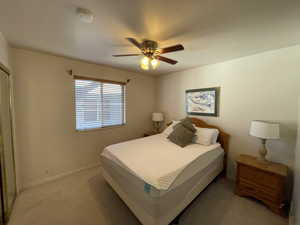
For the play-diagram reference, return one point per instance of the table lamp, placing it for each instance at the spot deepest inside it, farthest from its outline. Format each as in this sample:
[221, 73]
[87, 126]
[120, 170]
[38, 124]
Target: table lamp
[157, 118]
[264, 130]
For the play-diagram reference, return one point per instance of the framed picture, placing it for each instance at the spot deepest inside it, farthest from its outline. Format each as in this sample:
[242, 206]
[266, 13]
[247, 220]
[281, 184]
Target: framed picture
[203, 101]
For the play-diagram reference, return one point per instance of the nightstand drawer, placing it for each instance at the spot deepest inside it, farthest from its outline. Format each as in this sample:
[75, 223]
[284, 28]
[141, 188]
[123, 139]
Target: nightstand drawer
[259, 177]
[257, 190]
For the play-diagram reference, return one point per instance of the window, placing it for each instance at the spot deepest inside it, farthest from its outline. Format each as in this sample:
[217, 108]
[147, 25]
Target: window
[99, 103]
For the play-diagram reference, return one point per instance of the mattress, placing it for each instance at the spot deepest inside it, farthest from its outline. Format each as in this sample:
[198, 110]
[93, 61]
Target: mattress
[157, 207]
[161, 164]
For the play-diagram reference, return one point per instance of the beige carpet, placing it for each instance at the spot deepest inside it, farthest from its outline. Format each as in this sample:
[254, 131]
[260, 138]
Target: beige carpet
[86, 199]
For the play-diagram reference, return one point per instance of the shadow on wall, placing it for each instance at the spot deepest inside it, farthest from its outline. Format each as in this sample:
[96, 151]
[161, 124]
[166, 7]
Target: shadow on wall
[285, 145]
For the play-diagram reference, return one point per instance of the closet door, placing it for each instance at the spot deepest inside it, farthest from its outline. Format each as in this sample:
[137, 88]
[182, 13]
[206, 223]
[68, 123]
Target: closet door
[8, 179]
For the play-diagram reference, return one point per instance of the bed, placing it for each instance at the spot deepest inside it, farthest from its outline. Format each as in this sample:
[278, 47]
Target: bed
[157, 179]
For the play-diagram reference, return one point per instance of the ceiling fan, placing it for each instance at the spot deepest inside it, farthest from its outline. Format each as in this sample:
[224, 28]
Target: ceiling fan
[152, 53]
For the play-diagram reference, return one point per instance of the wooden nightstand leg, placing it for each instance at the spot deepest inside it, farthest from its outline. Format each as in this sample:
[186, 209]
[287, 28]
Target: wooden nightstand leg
[276, 209]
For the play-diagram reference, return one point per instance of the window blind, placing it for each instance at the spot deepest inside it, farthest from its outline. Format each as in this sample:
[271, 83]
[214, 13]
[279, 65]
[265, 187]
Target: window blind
[99, 104]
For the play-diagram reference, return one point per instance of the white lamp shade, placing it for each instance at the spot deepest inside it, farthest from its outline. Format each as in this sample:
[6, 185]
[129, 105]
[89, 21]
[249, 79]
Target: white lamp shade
[264, 129]
[157, 117]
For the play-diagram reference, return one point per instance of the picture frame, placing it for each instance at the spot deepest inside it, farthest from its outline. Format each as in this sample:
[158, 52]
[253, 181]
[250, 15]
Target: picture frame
[203, 101]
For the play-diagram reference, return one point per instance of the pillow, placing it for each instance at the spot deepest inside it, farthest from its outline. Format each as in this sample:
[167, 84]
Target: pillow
[187, 123]
[181, 136]
[206, 136]
[169, 129]
[215, 136]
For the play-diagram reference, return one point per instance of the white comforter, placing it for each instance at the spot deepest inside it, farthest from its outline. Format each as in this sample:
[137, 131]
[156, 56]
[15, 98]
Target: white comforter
[155, 159]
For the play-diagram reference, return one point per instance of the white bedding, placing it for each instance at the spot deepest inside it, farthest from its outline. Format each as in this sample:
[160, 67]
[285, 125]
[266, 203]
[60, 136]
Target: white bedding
[158, 161]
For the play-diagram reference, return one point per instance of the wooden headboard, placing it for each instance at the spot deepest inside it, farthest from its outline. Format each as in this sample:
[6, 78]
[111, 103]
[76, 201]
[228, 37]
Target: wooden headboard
[223, 137]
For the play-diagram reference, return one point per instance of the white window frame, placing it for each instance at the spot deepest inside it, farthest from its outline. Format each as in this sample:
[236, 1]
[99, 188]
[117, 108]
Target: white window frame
[122, 84]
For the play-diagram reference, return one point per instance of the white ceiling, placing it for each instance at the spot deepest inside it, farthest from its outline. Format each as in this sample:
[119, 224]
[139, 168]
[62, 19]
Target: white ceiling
[211, 30]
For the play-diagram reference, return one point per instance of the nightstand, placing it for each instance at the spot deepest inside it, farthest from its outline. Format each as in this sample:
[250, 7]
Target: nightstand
[150, 133]
[263, 180]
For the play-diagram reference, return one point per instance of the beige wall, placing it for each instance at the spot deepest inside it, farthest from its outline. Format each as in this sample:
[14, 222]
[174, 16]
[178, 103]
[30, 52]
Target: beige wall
[4, 52]
[263, 86]
[47, 142]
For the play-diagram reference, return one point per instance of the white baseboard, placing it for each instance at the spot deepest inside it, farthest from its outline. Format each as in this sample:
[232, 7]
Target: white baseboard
[56, 177]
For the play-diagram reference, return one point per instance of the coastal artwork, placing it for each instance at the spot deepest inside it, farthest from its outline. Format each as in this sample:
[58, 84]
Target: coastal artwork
[202, 101]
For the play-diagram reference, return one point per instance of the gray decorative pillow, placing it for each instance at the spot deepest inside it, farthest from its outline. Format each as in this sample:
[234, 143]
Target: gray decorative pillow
[187, 123]
[181, 136]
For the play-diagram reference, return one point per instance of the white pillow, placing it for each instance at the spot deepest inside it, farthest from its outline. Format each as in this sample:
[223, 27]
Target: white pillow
[169, 129]
[206, 136]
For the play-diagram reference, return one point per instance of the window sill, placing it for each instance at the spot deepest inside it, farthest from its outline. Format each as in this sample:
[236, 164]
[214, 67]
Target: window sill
[101, 128]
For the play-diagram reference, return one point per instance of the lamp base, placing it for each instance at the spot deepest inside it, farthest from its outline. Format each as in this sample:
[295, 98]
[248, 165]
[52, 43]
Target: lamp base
[156, 126]
[263, 151]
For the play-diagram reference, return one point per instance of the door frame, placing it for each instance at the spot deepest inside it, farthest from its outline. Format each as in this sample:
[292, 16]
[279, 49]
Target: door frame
[6, 214]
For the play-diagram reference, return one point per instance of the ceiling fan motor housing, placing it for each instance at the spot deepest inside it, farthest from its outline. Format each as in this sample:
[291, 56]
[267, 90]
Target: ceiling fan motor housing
[149, 48]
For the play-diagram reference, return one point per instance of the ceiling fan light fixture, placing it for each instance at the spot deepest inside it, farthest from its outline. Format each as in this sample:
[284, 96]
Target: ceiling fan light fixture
[154, 63]
[145, 61]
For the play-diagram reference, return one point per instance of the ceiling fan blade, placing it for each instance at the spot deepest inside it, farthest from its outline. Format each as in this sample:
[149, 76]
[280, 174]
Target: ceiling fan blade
[126, 55]
[173, 48]
[167, 60]
[134, 42]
